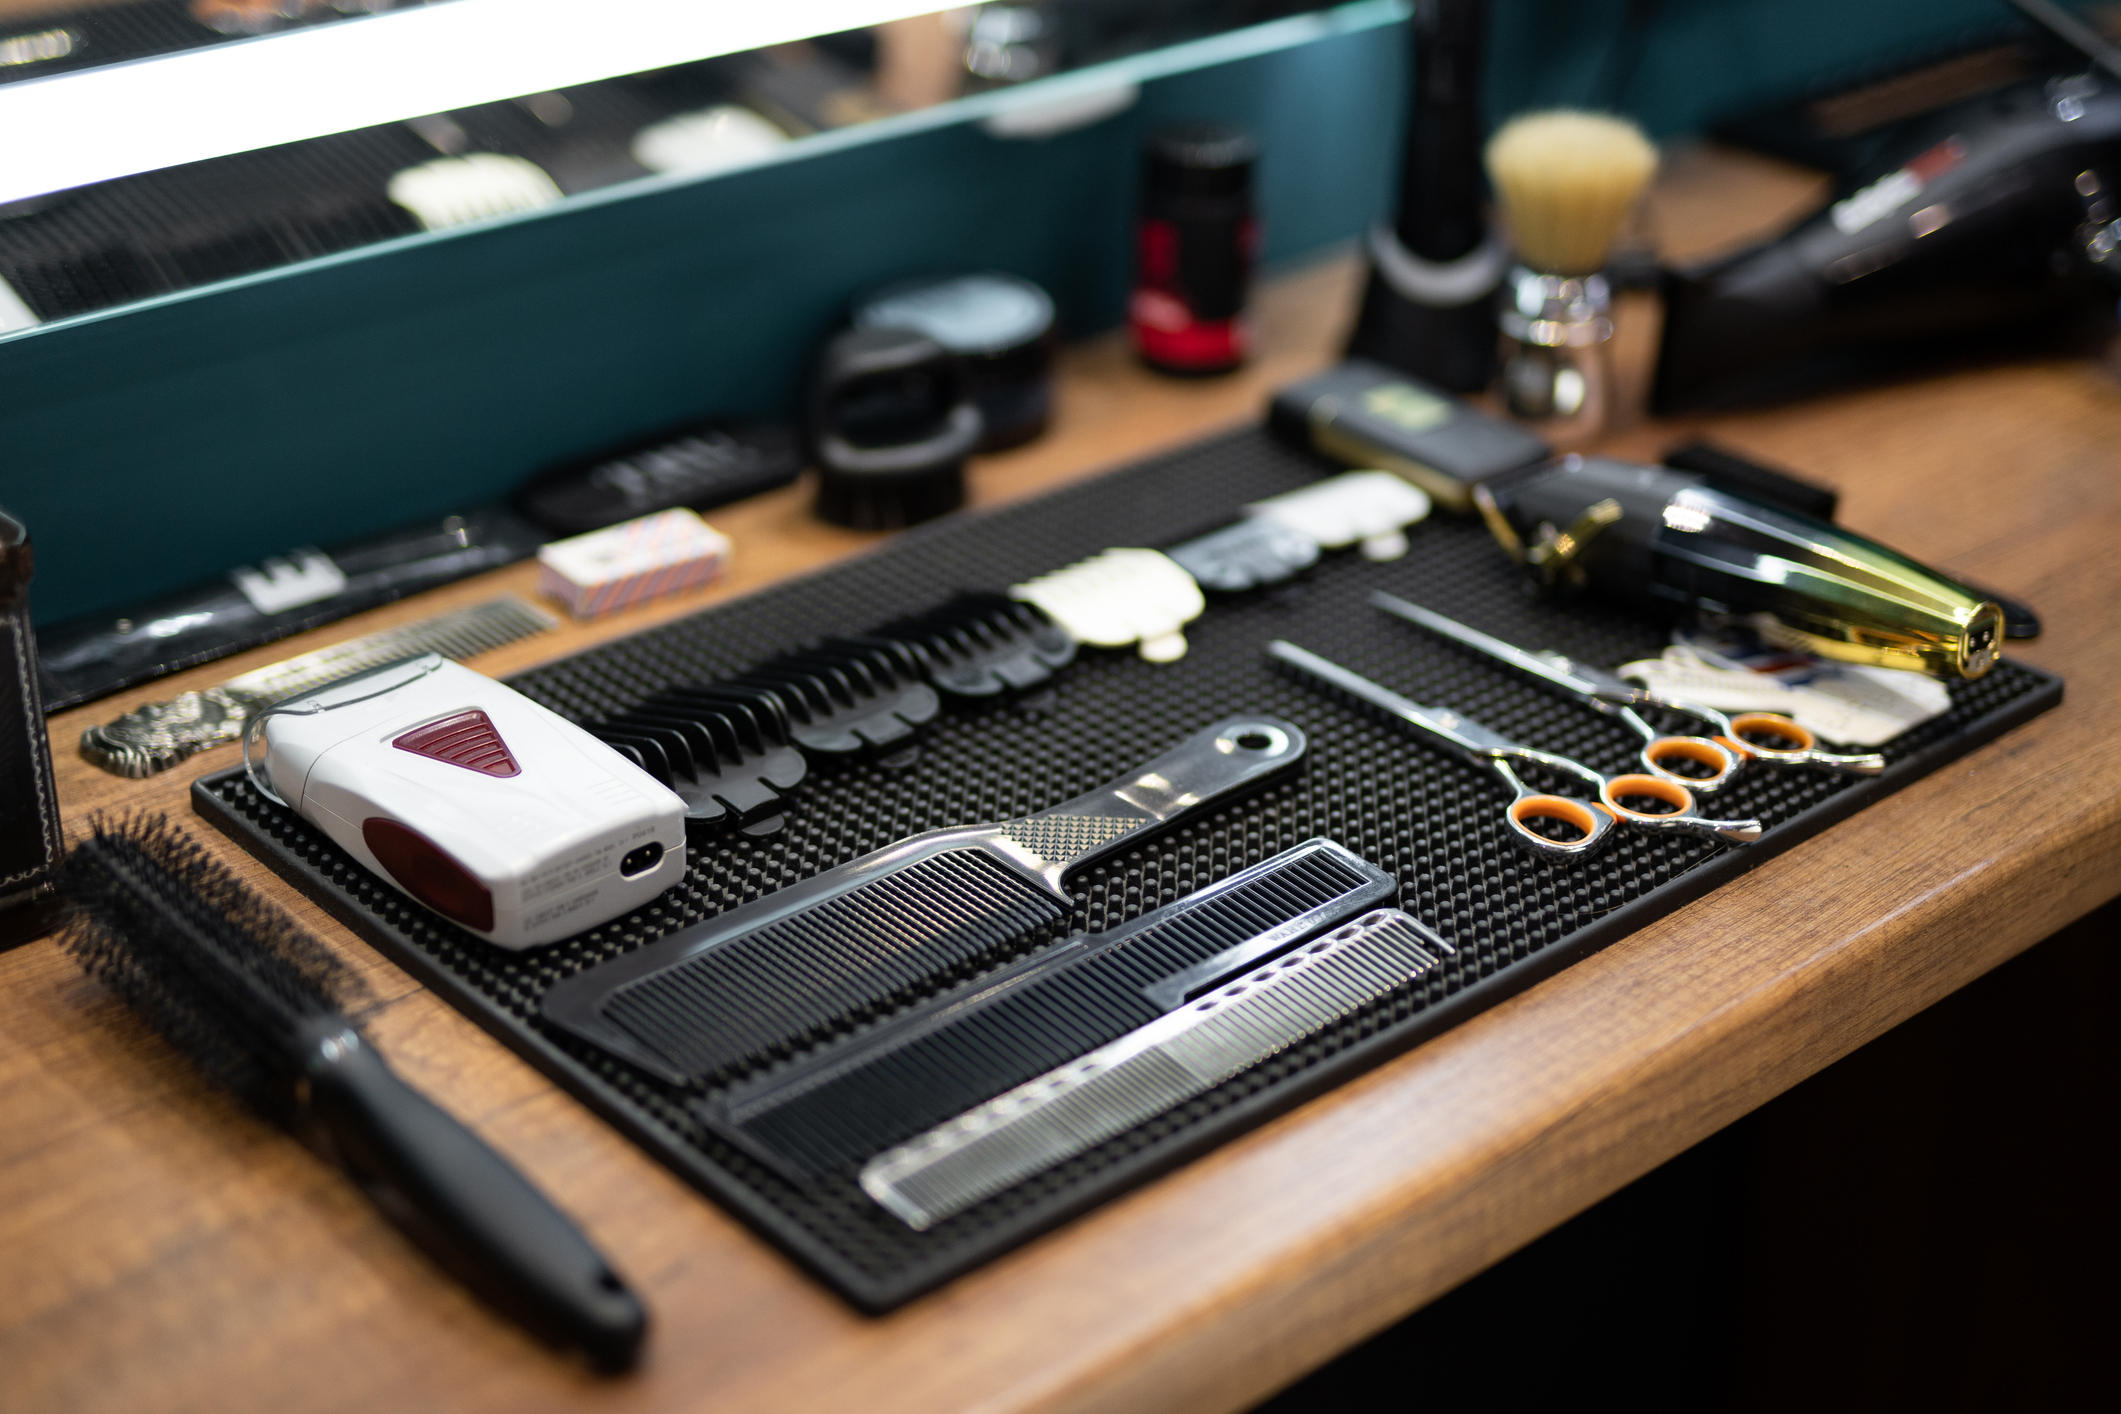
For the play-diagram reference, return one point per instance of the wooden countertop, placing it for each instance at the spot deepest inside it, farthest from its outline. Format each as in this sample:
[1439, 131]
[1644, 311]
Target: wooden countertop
[163, 1250]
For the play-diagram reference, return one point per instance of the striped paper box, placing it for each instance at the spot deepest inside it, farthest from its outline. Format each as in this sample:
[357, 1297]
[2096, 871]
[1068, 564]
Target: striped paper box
[628, 564]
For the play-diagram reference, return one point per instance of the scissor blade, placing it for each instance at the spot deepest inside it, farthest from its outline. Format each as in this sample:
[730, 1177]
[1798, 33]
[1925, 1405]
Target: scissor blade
[1468, 736]
[1569, 679]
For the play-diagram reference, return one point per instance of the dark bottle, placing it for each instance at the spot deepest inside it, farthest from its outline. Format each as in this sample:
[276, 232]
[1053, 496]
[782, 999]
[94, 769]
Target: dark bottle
[30, 841]
[1195, 248]
[1428, 309]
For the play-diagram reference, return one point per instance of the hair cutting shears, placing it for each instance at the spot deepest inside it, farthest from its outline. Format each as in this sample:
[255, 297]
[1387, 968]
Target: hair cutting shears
[1702, 763]
[1593, 820]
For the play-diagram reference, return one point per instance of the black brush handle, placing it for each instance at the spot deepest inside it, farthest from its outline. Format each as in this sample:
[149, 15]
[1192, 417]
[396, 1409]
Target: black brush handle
[466, 1205]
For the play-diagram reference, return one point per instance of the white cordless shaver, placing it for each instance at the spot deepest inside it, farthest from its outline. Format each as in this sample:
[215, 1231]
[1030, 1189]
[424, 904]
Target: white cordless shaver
[504, 818]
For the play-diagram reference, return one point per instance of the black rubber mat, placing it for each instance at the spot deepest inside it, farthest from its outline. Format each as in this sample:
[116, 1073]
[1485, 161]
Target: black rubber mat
[1433, 821]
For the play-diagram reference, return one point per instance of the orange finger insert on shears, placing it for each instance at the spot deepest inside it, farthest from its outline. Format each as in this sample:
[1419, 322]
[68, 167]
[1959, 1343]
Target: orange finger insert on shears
[1702, 763]
[1592, 820]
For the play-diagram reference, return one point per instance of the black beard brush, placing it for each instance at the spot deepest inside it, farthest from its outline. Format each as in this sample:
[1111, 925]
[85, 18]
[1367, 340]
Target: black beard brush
[258, 1004]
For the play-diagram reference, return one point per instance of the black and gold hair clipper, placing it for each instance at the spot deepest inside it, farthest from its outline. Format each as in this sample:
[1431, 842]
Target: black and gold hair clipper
[1672, 541]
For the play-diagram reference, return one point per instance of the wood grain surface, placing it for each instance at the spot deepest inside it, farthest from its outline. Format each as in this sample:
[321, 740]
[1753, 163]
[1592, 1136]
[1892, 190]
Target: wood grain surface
[164, 1251]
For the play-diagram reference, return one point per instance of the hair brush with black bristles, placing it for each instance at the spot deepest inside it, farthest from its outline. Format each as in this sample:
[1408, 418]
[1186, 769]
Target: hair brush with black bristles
[259, 1004]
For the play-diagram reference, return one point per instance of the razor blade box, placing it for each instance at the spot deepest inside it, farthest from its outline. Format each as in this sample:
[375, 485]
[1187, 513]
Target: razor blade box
[491, 810]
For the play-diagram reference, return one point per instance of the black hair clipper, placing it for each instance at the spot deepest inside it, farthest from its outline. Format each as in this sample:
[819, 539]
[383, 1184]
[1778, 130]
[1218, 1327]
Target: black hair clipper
[1673, 542]
[1363, 414]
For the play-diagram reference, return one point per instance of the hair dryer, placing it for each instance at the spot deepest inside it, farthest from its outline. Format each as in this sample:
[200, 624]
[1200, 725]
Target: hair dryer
[2000, 213]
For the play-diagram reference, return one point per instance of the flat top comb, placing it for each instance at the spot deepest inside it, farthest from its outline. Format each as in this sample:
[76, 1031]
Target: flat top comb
[1071, 1109]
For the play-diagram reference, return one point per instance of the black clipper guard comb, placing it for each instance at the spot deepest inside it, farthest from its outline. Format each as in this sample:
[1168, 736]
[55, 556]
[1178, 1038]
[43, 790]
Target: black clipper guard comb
[847, 696]
[859, 940]
[724, 750]
[983, 645]
[850, 1101]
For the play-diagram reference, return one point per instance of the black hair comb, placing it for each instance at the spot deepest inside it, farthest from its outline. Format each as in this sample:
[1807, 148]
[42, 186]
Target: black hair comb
[945, 1056]
[867, 936]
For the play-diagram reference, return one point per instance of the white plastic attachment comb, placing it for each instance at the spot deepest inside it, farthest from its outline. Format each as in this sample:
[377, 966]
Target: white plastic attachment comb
[1121, 597]
[455, 191]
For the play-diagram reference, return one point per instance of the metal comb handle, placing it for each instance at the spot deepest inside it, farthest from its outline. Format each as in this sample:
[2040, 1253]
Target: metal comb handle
[1224, 759]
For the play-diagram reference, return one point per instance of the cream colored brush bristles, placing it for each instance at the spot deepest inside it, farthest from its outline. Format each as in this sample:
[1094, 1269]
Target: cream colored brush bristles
[1566, 181]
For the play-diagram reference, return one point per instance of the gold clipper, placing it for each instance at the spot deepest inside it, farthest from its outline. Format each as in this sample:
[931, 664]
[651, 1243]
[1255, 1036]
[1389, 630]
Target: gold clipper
[1670, 541]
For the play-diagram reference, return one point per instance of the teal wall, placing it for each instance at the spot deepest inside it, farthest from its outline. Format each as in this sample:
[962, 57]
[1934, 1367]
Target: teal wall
[166, 442]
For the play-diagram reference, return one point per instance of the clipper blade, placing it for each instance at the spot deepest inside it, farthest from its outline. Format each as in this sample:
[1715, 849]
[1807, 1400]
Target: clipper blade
[152, 739]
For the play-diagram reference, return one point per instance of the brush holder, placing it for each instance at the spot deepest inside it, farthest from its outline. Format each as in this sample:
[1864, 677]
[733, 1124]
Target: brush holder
[1556, 369]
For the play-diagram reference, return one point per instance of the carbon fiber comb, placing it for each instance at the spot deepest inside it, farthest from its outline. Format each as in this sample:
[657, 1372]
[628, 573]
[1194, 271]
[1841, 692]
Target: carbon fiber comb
[876, 932]
[948, 1054]
[1099, 1096]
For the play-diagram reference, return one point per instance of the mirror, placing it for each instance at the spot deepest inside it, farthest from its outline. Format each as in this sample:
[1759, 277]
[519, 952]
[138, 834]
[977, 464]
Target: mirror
[181, 142]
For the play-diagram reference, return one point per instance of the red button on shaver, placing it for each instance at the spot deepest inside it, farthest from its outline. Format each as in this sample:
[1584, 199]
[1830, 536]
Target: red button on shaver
[425, 871]
[468, 739]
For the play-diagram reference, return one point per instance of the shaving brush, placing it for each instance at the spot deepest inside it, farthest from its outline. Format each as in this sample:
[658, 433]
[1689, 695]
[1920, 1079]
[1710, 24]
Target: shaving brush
[1565, 182]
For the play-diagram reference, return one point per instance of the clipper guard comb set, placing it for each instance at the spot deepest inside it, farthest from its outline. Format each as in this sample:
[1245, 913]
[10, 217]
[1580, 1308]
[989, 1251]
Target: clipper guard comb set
[1105, 920]
[734, 748]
